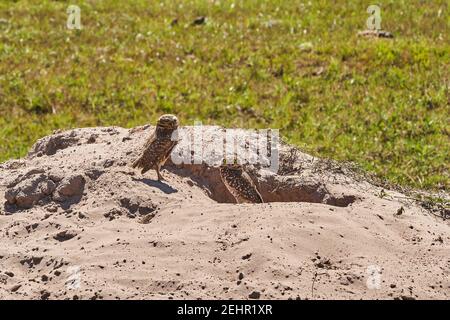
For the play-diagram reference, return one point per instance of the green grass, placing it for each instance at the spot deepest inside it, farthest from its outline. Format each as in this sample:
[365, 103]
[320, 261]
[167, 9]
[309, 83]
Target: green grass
[381, 103]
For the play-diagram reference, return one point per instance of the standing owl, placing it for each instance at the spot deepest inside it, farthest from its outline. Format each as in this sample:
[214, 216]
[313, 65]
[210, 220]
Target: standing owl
[158, 146]
[239, 183]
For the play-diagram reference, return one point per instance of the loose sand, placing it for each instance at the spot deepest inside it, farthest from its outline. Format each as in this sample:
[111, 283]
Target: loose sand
[76, 222]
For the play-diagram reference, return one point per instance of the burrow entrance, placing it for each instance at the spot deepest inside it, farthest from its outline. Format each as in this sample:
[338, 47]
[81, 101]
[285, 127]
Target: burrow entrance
[273, 188]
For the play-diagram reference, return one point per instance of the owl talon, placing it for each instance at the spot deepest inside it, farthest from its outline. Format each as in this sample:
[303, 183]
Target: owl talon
[160, 177]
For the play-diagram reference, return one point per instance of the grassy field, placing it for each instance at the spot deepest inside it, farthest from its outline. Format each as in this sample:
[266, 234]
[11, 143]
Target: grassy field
[294, 65]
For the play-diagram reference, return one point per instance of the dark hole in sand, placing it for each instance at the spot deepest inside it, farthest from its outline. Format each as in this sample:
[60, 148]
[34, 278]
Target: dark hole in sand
[273, 189]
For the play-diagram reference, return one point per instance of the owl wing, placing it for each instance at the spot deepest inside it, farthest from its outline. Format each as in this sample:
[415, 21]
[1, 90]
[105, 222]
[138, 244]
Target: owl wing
[145, 160]
[150, 140]
[251, 193]
[170, 147]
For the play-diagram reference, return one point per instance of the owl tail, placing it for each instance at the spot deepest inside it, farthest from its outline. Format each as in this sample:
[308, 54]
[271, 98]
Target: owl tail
[137, 163]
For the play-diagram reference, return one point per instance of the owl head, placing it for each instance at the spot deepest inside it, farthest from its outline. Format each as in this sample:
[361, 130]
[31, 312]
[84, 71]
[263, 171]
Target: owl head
[168, 121]
[235, 166]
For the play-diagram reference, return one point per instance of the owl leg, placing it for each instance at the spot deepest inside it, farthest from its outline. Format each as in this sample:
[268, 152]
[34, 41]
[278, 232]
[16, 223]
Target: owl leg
[158, 169]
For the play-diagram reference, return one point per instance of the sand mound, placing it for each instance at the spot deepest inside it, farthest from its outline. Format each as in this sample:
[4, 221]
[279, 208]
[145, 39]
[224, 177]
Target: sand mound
[77, 222]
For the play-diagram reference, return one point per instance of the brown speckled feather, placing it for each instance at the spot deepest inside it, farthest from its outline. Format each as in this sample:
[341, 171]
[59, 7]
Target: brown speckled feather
[156, 151]
[158, 146]
[240, 185]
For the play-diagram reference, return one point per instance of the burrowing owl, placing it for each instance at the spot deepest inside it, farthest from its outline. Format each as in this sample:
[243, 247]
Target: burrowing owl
[158, 146]
[239, 183]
